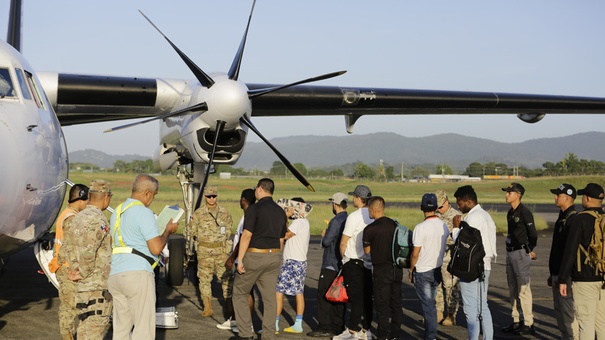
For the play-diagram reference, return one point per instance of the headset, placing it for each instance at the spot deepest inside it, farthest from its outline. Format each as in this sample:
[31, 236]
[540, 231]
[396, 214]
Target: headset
[82, 195]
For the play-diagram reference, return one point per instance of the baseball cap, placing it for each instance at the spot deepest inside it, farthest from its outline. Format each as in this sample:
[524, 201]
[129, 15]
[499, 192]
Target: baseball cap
[338, 198]
[210, 190]
[99, 186]
[361, 191]
[566, 189]
[592, 190]
[429, 202]
[515, 187]
[441, 197]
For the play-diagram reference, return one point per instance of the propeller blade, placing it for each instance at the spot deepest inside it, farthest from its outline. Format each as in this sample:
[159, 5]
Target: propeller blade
[260, 92]
[194, 108]
[219, 128]
[245, 120]
[237, 61]
[201, 76]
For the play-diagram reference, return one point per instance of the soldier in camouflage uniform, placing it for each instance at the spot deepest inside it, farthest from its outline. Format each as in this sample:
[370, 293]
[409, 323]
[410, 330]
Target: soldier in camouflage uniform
[90, 263]
[211, 225]
[449, 289]
[77, 201]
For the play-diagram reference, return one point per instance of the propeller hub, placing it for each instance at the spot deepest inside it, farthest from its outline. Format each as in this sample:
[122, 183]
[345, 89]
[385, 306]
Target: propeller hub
[227, 101]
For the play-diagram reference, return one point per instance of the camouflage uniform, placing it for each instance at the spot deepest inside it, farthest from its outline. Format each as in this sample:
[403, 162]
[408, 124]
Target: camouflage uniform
[449, 286]
[67, 288]
[92, 259]
[212, 228]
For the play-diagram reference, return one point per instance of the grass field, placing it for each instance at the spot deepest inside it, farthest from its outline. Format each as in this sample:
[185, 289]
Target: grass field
[537, 191]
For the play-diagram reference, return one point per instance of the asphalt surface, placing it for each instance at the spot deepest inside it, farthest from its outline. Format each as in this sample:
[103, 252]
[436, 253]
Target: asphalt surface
[29, 303]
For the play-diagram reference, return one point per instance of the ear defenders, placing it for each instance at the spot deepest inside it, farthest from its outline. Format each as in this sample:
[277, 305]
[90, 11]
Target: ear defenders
[82, 195]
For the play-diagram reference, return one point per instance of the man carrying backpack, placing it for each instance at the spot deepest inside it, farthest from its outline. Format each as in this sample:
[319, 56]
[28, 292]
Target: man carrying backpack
[580, 262]
[564, 309]
[521, 240]
[474, 293]
[387, 276]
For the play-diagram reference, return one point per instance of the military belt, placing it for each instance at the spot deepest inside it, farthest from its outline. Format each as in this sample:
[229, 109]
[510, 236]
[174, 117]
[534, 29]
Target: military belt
[263, 251]
[211, 244]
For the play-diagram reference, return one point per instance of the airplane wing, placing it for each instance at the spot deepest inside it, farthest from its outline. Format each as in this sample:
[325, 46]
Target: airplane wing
[81, 99]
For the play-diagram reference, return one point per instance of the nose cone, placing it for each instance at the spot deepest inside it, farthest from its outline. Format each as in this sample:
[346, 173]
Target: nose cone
[228, 101]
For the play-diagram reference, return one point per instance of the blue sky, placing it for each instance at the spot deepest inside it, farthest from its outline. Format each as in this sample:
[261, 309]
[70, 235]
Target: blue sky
[542, 47]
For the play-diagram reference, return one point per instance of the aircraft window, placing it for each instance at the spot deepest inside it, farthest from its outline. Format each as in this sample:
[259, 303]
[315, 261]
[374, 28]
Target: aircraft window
[23, 84]
[6, 84]
[34, 90]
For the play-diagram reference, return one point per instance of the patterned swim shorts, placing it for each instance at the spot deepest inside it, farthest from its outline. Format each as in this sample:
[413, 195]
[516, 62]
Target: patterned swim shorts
[291, 279]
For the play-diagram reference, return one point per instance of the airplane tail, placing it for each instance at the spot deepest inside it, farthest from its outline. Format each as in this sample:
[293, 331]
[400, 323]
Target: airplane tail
[13, 34]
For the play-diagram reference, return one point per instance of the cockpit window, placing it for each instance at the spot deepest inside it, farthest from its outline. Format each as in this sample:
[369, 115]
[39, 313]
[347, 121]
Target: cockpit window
[34, 90]
[23, 84]
[6, 84]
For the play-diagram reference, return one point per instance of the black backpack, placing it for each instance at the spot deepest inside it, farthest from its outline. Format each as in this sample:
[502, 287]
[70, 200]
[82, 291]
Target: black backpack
[468, 254]
[402, 245]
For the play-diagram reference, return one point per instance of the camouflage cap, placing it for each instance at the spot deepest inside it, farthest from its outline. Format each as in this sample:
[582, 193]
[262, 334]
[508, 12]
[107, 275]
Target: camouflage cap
[210, 190]
[441, 198]
[99, 186]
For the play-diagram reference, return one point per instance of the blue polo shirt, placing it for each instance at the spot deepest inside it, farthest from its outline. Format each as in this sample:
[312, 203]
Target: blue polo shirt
[137, 226]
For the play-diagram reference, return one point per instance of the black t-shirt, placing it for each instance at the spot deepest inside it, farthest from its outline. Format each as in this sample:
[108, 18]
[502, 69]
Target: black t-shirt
[267, 222]
[521, 228]
[379, 236]
[559, 237]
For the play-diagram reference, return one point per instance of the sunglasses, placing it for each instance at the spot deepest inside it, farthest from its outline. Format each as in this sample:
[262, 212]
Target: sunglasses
[210, 196]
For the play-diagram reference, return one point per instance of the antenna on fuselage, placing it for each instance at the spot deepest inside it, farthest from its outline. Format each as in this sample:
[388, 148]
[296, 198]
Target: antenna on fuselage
[13, 34]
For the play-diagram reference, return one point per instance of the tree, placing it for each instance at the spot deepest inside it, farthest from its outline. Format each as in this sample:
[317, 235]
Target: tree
[443, 169]
[474, 169]
[389, 173]
[363, 171]
[278, 169]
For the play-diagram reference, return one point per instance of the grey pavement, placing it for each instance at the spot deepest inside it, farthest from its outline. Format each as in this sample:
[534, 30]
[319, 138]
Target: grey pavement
[29, 303]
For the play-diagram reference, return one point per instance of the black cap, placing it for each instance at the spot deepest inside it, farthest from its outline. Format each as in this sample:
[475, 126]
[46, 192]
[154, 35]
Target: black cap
[361, 191]
[592, 190]
[429, 202]
[515, 187]
[566, 189]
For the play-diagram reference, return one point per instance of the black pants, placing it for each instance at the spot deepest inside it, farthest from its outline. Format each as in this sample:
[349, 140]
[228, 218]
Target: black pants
[358, 281]
[387, 300]
[330, 315]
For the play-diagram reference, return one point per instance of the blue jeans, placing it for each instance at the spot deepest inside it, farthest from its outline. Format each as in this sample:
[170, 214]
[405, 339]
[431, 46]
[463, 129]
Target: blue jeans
[474, 297]
[426, 284]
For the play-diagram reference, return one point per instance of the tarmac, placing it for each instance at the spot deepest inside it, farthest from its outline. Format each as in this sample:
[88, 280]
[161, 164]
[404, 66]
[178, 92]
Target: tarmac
[29, 303]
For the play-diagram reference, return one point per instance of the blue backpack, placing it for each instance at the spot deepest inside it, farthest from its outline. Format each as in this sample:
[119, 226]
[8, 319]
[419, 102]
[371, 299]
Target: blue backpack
[402, 245]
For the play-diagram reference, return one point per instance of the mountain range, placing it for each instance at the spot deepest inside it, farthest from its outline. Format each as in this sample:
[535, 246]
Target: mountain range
[454, 150]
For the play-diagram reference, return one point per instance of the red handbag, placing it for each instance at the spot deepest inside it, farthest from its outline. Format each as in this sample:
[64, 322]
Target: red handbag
[337, 291]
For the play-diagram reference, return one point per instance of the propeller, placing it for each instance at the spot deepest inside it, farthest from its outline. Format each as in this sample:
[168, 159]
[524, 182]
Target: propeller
[197, 107]
[233, 75]
[301, 178]
[220, 124]
[260, 92]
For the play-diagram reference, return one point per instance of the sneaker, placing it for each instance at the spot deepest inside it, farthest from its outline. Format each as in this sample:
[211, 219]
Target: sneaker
[346, 335]
[293, 330]
[227, 325]
[513, 327]
[526, 330]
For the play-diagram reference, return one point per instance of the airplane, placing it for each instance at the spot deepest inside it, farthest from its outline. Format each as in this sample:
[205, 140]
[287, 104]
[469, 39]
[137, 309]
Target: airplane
[203, 122]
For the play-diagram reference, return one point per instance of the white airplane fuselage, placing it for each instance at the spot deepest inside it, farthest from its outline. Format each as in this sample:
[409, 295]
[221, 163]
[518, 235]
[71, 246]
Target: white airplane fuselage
[34, 153]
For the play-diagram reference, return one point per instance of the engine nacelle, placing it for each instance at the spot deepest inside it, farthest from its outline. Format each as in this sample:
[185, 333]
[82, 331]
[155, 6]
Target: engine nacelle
[531, 117]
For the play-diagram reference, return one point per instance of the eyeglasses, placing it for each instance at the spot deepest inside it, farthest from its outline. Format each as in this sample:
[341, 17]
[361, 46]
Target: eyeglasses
[210, 196]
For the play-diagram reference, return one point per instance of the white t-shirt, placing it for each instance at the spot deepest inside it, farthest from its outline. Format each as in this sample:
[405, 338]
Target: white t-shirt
[238, 233]
[297, 246]
[354, 226]
[481, 220]
[431, 235]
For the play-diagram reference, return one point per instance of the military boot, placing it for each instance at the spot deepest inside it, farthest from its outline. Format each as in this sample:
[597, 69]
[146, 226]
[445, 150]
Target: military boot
[207, 307]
